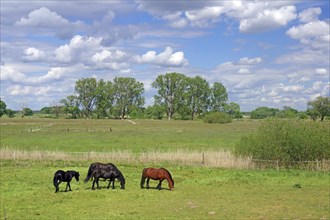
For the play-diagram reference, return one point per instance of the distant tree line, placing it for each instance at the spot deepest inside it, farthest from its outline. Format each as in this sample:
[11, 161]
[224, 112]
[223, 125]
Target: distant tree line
[178, 97]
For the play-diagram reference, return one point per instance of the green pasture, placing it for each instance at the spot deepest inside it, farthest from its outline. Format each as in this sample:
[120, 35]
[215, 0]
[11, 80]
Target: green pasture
[200, 193]
[27, 191]
[120, 135]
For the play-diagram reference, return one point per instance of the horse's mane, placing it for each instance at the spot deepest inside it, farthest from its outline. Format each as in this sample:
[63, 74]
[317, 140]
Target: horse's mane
[168, 174]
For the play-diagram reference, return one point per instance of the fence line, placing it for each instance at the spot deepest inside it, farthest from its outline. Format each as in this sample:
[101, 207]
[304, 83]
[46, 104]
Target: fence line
[220, 159]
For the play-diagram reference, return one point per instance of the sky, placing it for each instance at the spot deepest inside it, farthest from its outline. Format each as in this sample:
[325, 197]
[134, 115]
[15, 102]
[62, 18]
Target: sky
[266, 53]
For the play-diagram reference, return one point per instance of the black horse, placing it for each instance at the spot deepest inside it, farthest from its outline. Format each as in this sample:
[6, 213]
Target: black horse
[105, 171]
[62, 176]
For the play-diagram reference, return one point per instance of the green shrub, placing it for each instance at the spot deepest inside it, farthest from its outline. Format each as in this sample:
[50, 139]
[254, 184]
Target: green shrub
[217, 117]
[287, 140]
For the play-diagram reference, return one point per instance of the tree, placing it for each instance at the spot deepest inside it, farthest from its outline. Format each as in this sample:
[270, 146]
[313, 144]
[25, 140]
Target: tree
[104, 98]
[86, 90]
[127, 95]
[170, 88]
[264, 112]
[197, 95]
[27, 112]
[233, 109]
[319, 107]
[3, 107]
[219, 97]
[71, 106]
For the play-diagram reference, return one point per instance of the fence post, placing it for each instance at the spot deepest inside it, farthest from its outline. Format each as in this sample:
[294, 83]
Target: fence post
[203, 158]
[277, 167]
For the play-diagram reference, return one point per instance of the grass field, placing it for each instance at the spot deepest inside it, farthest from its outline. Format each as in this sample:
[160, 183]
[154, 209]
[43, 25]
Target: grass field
[33, 149]
[144, 135]
[200, 193]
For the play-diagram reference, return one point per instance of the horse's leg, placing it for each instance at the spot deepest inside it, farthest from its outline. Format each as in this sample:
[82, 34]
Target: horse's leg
[109, 184]
[93, 184]
[56, 187]
[159, 185]
[148, 179]
[69, 186]
[97, 183]
[113, 183]
[142, 182]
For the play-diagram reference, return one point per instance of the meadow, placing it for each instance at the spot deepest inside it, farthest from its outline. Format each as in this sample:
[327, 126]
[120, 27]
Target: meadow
[202, 191]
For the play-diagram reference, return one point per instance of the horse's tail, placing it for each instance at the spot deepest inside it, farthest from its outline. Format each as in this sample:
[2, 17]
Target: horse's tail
[55, 180]
[89, 174]
[170, 176]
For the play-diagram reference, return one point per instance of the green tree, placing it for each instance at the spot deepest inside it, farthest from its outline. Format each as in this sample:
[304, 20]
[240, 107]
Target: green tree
[197, 95]
[219, 97]
[71, 106]
[319, 107]
[104, 98]
[10, 113]
[264, 112]
[86, 90]
[170, 88]
[127, 95]
[27, 112]
[233, 109]
[3, 107]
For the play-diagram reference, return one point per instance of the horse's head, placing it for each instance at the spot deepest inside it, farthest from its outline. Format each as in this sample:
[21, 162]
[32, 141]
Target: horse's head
[77, 176]
[122, 182]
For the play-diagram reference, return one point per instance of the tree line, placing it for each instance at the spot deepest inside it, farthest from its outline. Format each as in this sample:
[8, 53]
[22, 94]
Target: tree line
[178, 96]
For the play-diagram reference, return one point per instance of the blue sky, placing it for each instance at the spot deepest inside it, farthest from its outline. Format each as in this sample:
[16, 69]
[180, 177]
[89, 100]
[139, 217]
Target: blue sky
[266, 53]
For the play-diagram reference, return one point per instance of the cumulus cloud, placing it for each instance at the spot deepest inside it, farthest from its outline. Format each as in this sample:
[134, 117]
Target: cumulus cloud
[314, 33]
[249, 61]
[43, 18]
[268, 19]
[166, 58]
[78, 49]
[309, 15]
[33, 54]
[11, 74]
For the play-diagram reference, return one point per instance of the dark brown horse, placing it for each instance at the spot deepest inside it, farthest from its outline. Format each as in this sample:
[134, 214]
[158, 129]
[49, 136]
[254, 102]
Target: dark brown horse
[105, 171]
[157, 174]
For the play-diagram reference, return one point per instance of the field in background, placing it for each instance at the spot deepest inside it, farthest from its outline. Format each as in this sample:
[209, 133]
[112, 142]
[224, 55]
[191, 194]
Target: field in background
[121, 135]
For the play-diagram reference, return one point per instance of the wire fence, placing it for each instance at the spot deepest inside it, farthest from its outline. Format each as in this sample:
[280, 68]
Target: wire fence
[217, 159]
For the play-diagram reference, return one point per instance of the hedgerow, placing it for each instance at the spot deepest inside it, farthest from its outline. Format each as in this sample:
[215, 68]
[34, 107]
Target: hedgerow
[287, 140]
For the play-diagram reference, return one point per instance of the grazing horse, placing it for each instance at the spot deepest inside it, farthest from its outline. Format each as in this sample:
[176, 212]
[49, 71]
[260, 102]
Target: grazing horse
[105, 171]
[62, 176]
[157, 174]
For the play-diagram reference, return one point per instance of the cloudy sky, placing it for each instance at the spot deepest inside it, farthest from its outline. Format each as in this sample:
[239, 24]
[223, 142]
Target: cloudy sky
[266, 53]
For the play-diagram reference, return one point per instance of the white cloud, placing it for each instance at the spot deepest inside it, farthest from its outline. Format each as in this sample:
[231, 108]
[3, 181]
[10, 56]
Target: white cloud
[33, 54]
[78, 49]
[166, 58]
[11, 74]
[321, 71]
[309, 15]
[315, 34]
[249, 61]
[43, 18]
[268, 19]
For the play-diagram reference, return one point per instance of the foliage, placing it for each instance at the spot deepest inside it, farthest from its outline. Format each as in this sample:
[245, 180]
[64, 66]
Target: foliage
[27, 112]
[319, 107]
[264, 112]
[219, 97]
[86, 90]
[217, 117]
[233, 110]
[127, 95]
[3, 107]
[287, 140]
[170, 88]
[197, 96]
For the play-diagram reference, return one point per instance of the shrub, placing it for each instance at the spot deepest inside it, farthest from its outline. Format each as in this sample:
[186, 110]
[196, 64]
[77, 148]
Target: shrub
[217, 117]
[287, 140]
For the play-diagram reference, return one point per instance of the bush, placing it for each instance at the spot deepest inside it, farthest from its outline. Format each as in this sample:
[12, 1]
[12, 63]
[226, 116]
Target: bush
[217, 117]
[287, 140]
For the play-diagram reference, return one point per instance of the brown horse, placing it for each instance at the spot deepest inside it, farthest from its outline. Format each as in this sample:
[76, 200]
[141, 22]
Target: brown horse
[157, 174]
